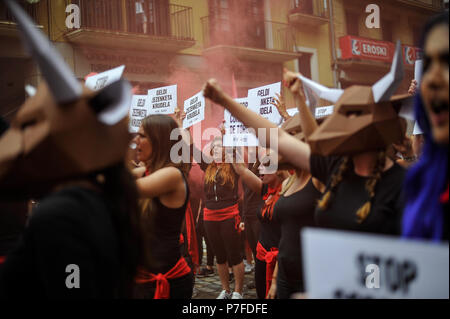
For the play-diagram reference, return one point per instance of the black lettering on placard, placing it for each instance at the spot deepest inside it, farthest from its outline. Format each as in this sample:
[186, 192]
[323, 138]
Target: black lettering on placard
[265, 110]
[100, 83]
[395, 275]
[136, 122]
[264, 92]
[161, 92]
[193, 114]
[194, 100]
[267, 101]
[141, 102]
[139, 113]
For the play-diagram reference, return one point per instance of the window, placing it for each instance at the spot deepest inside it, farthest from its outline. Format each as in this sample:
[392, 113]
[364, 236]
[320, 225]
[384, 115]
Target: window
[237, 22]
[352, 21]
[386, 27]
[304, 65]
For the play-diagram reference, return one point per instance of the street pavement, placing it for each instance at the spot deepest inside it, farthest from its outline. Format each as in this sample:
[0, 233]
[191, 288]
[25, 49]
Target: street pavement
[209, 287]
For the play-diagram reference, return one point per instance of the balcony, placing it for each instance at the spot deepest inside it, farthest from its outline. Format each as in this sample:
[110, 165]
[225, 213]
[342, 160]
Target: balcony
[8, 27]
[309, 13]
[430, 5]
[115, 24]
[266, 41]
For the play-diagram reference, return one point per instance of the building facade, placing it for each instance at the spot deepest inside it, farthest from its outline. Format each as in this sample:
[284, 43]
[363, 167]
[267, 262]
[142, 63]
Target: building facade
[185, 42]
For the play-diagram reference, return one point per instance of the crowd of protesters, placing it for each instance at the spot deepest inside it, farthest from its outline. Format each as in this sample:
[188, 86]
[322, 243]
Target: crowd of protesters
[134, 221]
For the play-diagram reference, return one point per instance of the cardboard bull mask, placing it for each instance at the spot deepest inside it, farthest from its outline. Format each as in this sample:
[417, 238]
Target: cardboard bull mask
[65, 131]
[365, 118]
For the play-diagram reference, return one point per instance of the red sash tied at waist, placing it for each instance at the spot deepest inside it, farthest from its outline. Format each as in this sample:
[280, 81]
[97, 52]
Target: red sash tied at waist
[270, 258]
[218, 215]
[162, 285]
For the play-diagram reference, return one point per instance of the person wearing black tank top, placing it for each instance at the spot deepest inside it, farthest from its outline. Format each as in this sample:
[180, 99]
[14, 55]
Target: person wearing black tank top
[163, 272]
[293, 211]
[268, 185]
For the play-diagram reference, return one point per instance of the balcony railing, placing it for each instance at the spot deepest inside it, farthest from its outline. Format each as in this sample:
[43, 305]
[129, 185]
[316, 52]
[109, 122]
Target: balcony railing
[267, 35]
[434, 5]
[318, 8]
[31, 9]
[171, 21]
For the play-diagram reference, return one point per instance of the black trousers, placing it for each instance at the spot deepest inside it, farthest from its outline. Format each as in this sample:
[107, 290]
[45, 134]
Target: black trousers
[252, 227]
[225, 240]
[201, 233]
[260, 278]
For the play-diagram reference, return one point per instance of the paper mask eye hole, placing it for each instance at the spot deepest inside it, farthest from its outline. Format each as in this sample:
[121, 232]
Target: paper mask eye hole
[353, 113]
[28, 123]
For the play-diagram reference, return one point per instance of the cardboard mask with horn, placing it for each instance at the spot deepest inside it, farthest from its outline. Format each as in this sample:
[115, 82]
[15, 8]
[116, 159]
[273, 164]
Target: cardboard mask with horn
[65, 131]
[365, 118]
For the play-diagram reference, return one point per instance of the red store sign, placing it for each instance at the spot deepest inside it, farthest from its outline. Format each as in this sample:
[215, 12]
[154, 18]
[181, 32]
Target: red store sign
[366, 49]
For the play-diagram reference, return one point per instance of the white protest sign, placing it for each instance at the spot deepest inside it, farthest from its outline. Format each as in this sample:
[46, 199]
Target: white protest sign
[101, 80]
[341, 264]
[236, 134]
[163, 100]
[292, 112]
[418, 71]
[194, 108]
[260, 101]
[138, 111]
[324, 111]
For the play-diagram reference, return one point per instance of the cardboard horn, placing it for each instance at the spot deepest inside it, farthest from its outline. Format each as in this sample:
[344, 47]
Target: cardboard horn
[112, 103]
[386, 86]
[62, 83]
[323, 92]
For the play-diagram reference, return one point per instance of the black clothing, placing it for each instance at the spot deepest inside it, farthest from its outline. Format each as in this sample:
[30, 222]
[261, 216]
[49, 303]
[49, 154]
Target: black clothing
[164, 240]
[387, 206]
[70, 227]
[218, 196]
[270, 231]
[252, 230]
[225, 240]
[269, 237]
[252, 201]
[201, 233]
[294, 213]
[13, 216]
[260, 278]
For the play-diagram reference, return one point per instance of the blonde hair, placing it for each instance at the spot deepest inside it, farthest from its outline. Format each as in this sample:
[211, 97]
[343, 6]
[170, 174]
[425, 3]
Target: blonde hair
[371, 183]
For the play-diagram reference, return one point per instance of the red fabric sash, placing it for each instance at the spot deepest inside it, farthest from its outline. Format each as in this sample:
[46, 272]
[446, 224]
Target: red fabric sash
[218, 215]
[270, 258]
[192, 235]
[162, 285]
[269, 204]
[2, 259]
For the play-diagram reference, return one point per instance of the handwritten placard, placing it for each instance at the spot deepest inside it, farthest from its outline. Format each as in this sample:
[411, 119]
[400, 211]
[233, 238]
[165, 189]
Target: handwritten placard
[194, 108]
[163, 100]
[341, 264]
[101, 80]
[260, 101]
[236, 134]
[138, 111]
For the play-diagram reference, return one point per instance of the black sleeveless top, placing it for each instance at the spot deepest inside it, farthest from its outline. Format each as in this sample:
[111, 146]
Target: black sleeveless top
[294, 213]
[270, 231]
[218, 196]
[164, 239]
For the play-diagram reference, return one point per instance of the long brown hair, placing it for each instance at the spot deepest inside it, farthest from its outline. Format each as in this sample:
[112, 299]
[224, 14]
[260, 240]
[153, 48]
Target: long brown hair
[226, 172]
[158, 128]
